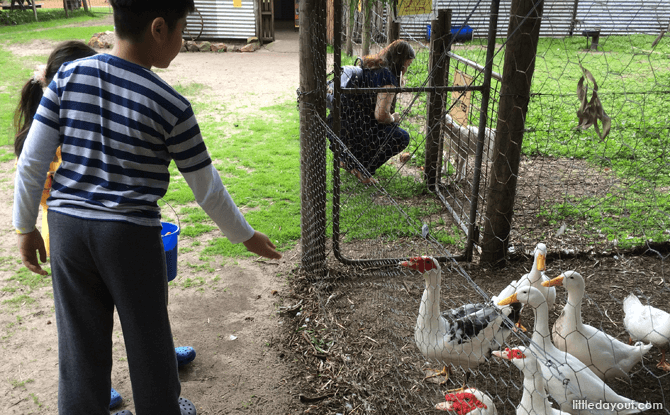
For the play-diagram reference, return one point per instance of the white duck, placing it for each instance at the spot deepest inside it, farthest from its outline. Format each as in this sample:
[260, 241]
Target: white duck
[648, 324]
[463, 336]
[534, 399]
[469, 401]
[606, 356]
[534, 278]
[567, 378]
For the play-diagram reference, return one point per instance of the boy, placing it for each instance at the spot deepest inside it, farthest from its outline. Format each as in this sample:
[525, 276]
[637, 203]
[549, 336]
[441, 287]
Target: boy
[119, 126]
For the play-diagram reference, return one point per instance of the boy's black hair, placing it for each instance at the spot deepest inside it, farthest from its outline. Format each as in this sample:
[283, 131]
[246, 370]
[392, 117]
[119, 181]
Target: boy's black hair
[131, 17]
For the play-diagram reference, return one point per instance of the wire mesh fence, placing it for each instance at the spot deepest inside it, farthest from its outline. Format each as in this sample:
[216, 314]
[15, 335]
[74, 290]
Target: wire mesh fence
[374, 330]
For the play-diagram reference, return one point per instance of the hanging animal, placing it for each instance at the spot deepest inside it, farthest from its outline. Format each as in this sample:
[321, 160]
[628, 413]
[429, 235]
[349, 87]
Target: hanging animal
[534, 400]
[606, 356]
[568, 379]
[463, 336]
[648, 324]
[469, 401]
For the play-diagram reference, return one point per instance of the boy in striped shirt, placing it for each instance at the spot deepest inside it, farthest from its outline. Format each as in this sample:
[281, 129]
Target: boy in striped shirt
[119, 126]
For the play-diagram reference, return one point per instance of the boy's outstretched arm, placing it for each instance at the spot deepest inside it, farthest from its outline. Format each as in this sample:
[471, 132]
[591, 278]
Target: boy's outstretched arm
[261, 245]
[29, 245]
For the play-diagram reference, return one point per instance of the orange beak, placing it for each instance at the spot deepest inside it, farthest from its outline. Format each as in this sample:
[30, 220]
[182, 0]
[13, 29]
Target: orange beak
[541, 263]
[509, 300]
[553, 282]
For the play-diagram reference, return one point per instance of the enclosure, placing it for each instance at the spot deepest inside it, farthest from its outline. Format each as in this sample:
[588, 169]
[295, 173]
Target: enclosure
[546, 127]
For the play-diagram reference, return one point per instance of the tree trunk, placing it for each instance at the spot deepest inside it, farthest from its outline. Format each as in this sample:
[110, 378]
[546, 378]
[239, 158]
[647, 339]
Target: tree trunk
[367, 23]
[349, 47]
[392, 28]
[518, 71]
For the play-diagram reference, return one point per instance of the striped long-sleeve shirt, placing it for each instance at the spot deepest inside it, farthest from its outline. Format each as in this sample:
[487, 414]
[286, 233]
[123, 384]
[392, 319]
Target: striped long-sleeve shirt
[119, 126]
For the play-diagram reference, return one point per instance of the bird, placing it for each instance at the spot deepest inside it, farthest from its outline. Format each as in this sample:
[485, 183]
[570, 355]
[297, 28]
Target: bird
[648, 324]
[534, 278]
[567, 378]
[606, 356]
[470, 401]
[463, 336]
[463, 142]
[534, 400]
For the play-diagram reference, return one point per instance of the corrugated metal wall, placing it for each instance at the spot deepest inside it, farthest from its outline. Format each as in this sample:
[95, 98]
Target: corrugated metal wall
[612, 17]
[222, 20]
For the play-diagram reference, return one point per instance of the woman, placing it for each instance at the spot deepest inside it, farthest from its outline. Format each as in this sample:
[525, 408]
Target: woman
[369, 127]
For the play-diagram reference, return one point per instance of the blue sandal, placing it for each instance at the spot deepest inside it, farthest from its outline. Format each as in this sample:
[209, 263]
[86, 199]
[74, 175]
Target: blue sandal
[185, 355]
[115, 400]
[186, 407]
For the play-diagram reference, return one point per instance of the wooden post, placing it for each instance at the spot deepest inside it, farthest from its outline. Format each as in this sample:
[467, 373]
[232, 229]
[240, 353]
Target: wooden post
[349, 47]
[366, 27]
[65, 7]
[312, 103]
[392, 27]
[439, 43]
[85, 5]
[34, 10]
[518, 68]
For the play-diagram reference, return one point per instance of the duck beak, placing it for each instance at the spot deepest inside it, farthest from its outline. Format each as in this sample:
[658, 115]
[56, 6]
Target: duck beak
[497, 353]
[541, 262]
[553, 282]
[509, 300]
[444, 406]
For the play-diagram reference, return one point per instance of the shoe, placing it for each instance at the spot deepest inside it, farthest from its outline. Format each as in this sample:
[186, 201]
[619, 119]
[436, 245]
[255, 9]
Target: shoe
[186, 407]
[115, 400]
[124, 412]
[185, 355]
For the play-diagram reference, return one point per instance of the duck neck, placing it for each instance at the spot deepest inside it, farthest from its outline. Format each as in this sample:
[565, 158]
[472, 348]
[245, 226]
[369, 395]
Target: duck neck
[533, 391]
[573, 310]
[541, 333]
[430, 301]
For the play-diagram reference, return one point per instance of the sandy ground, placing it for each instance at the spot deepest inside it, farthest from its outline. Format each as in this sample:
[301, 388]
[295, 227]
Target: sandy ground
[229, 315]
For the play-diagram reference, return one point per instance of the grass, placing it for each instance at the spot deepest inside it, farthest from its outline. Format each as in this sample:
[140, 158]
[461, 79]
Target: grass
[633, 83]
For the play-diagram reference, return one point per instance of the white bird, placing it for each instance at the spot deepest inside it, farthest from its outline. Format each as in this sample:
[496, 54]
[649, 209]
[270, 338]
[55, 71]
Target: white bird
[648, 324]
[568, 379]
[463, 336]
[469, 401]
[534, 278]
[534, 400]
[463, 142]
[606, 356]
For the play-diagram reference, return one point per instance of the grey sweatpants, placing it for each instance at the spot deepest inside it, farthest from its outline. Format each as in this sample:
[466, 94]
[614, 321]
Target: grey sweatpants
[96, 266]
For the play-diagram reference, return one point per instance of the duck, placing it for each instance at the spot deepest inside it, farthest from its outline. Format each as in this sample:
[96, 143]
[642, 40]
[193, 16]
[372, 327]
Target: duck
[567, 378]
[469, 401]
[606, 356]
[534, 278]
[464, 336]
[534, 400]
[647, 324]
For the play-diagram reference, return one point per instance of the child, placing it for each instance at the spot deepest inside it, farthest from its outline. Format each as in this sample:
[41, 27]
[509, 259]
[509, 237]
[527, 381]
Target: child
[119, 126]
[31, 94]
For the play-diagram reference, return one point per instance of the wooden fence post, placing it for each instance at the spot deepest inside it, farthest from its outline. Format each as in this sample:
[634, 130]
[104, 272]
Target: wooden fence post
[439, 42]
[521, 50]
[392, 28]
[312, 103]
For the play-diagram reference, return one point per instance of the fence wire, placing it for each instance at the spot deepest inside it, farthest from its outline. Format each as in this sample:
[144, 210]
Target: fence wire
[591, 214]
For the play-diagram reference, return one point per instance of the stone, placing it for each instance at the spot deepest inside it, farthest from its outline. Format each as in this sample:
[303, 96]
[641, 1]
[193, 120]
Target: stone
[219, 47]
[205, 46]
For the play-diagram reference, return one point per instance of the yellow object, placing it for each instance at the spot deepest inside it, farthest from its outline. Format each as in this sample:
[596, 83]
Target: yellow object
[412, 7]
[237, 3]
[45, 195]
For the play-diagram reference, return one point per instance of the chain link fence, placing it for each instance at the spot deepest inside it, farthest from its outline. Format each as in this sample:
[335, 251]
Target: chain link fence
[375, 332]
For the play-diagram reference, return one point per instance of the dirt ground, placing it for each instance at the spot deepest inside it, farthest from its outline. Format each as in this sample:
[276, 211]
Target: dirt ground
[271, 340]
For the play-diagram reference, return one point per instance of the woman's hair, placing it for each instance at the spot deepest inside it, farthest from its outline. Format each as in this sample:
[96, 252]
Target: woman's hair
[132, 17]
[393, 56]
[31, 94]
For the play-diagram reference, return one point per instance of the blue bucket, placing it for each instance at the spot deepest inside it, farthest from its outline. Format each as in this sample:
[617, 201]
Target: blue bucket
[170, 235]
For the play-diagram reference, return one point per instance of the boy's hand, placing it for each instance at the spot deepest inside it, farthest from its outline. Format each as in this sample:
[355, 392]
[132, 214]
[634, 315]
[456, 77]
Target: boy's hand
[29, 245]
[261, 245]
